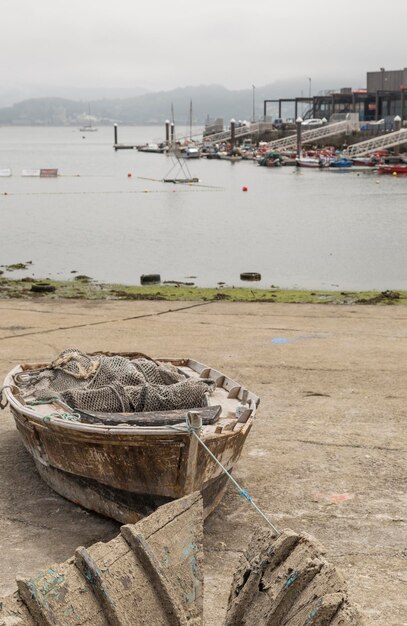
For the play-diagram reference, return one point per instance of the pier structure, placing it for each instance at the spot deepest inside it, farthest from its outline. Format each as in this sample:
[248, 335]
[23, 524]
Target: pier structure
[370, 105]
[296, 101]
[314, 135]
[240, 132]
[396, 138]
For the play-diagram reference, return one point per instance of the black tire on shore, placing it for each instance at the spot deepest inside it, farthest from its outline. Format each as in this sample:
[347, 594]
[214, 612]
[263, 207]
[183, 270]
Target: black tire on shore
[43, 288]
[150, 279]
[250, 276]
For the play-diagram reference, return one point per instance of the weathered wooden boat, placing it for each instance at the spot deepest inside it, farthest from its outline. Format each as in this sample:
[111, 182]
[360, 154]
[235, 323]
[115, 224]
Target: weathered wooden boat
[151, 573]
[125, 463]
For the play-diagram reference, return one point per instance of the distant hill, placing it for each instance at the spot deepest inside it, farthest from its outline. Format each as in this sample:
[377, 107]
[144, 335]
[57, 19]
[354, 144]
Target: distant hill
[150, 108]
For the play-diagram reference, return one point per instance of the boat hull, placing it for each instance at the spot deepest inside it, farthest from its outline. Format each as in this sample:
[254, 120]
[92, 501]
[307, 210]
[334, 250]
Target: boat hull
[124, 506]
[393, 169]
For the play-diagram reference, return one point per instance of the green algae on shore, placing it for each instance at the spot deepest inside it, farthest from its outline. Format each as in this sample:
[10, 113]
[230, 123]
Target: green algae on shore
[91, 290]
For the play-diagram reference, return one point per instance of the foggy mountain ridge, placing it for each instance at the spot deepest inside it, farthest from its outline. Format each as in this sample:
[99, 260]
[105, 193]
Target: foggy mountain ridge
[211, 101]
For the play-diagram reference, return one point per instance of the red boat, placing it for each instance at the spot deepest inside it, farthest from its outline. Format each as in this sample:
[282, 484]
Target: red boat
[397, 168]
[367, 161]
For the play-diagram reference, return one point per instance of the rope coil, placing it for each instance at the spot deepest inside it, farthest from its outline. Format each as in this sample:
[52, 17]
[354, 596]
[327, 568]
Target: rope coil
[67, 417]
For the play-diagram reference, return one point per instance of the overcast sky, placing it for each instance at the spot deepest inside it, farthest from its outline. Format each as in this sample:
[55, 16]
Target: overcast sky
[163, 44]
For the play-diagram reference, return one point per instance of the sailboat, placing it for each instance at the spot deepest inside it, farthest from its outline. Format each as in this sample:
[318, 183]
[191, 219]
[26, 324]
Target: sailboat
[182, 173]
[88, 126]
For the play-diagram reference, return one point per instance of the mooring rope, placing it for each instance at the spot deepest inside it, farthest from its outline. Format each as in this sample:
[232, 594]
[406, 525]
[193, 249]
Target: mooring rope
[68, 417]
[192, 188]
[242, 492]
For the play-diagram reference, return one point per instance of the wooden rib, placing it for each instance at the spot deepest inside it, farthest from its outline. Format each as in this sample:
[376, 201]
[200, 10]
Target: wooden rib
[154, 571]
[93, 576]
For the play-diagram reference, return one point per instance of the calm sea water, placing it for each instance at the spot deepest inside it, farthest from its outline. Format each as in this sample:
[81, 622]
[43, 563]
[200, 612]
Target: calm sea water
[307, 229]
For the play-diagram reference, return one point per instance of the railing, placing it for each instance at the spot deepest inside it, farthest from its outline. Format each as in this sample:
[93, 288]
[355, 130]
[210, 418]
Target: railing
[371, 145]
[312, 136]
[240, 131]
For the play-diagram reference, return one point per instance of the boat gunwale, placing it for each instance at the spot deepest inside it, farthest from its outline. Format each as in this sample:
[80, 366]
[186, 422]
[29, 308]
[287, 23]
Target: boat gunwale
[56, 424]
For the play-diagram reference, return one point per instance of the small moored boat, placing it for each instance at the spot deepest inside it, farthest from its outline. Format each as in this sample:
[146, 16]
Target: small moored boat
[88, 128]
[365, 161]
[314, 162]
[399, 168]
[154, 148]
[341, 162]
[110, 431]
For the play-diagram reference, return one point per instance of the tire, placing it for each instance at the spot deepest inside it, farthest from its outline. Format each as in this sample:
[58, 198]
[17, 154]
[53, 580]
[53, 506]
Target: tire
[150, 279]
[43, 288]
[250, 276]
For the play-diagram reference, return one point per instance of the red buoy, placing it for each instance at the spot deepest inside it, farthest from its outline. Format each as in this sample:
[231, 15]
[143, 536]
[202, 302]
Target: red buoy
[244, 188]
[129, 175]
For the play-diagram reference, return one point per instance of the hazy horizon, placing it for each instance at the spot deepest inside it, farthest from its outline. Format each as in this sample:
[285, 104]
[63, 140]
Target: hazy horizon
[158, 46]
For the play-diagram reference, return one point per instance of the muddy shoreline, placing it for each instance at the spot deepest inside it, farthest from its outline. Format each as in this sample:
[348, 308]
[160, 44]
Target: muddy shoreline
[84, 288]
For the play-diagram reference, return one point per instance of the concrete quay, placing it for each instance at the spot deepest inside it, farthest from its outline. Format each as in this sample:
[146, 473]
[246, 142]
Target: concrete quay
[327, 454]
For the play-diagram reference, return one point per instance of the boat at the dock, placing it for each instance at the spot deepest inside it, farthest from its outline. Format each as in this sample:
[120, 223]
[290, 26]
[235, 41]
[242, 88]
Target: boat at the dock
[152, 147]
[314, 162]
[270, 159]
[230, 157]
[341, 162]
[365, 161]
[112, 432]
[396, 168]
[191, 152]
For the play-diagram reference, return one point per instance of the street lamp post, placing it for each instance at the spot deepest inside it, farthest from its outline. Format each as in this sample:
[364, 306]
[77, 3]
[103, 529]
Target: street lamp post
[309, 91]
[298, 123]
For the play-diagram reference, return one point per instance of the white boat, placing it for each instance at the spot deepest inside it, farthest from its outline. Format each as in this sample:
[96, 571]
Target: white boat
[152, 147]
[315, 162]
[191, 152]
[88, 128]
[230, 157]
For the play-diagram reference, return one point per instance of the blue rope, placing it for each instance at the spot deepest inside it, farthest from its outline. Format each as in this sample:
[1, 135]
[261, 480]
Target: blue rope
[243, 492]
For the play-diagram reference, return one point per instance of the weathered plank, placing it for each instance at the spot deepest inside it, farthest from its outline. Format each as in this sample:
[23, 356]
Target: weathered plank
[210, 414]
[61, 596]
[175, 536]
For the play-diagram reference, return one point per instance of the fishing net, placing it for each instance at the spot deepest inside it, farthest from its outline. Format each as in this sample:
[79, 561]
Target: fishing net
[118, 384]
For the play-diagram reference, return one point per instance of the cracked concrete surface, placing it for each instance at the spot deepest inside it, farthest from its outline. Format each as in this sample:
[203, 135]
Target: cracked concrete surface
[327, 454]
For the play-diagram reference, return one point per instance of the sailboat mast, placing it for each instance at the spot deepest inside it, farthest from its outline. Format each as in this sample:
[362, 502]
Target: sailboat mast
[190, 119]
